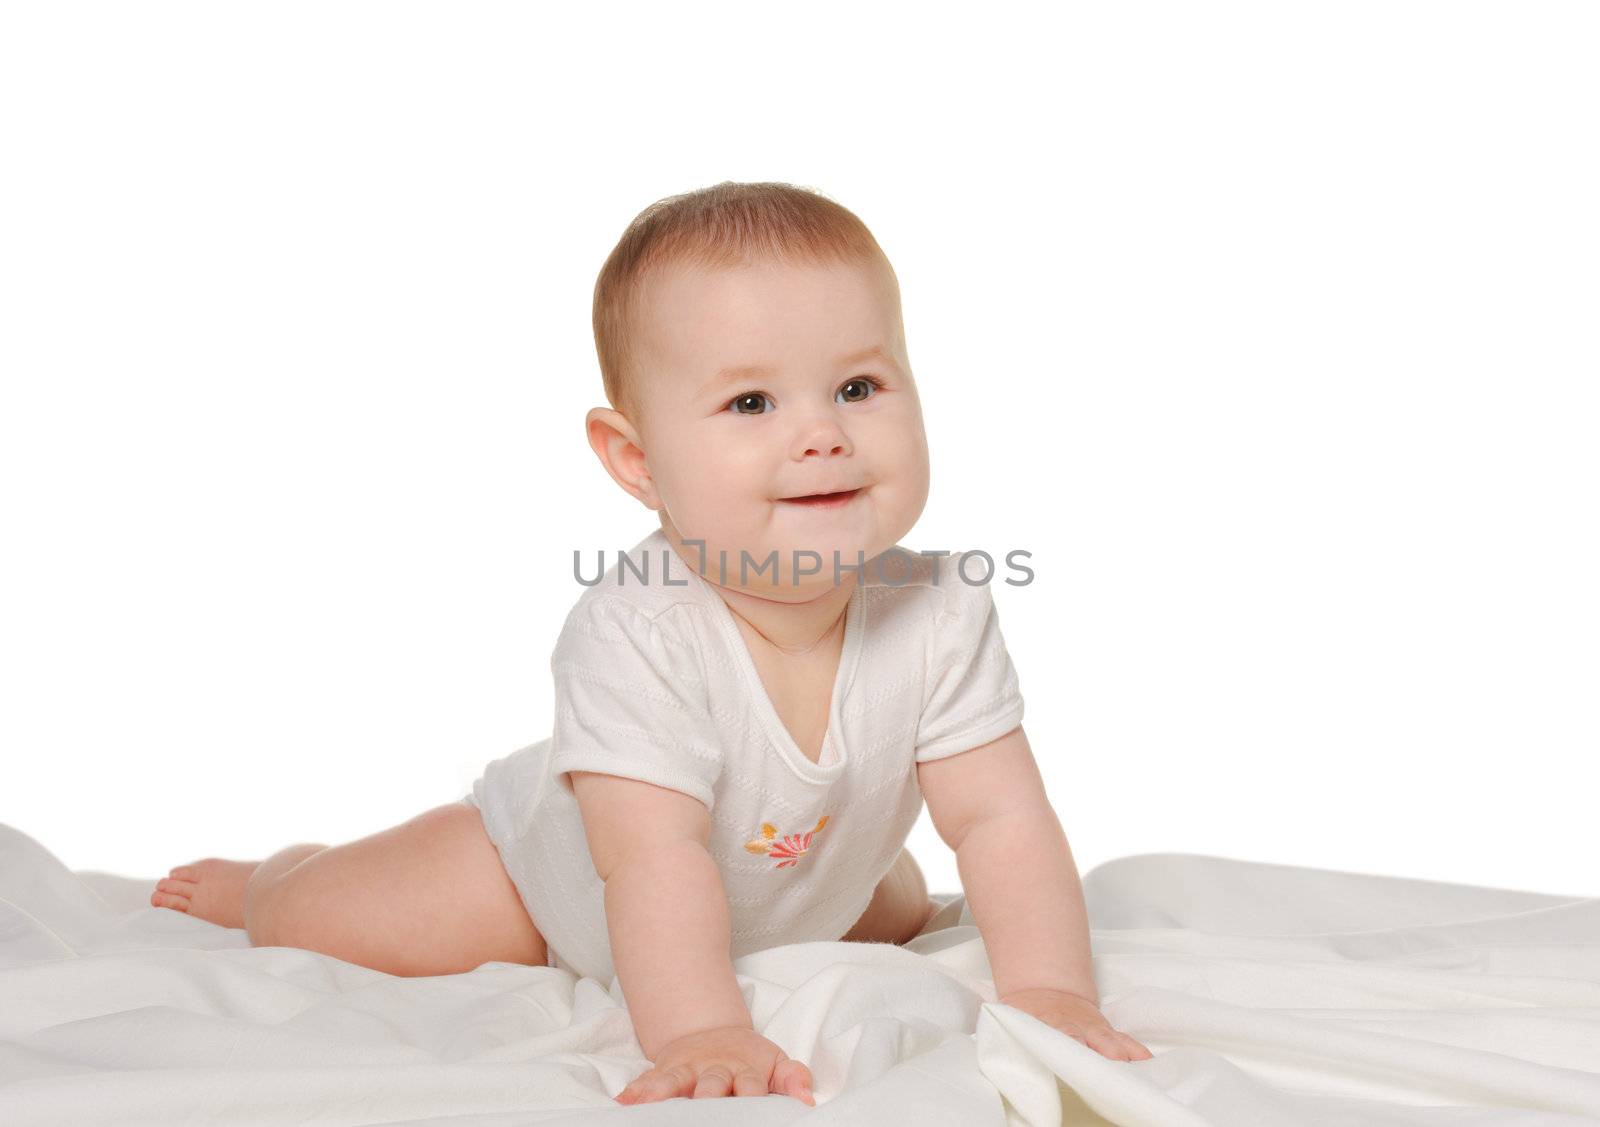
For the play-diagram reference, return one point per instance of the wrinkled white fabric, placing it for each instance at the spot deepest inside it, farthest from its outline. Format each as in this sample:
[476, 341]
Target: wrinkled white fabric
[1269, 995]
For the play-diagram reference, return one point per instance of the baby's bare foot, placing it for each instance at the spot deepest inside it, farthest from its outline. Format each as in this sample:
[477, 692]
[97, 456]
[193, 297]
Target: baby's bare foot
[212, 889]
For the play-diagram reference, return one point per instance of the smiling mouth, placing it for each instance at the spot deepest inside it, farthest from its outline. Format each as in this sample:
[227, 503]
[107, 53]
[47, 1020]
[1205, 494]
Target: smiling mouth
[822, 500]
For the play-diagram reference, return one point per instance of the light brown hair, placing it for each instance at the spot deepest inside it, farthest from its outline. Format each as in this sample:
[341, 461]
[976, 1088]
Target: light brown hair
[728, 224]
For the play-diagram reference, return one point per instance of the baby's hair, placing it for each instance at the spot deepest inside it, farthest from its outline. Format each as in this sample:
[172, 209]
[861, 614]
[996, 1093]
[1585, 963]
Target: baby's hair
[725, 225]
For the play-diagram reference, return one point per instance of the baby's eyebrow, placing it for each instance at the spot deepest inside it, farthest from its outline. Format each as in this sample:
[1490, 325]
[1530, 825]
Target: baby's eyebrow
[741, 372]
[756, 371]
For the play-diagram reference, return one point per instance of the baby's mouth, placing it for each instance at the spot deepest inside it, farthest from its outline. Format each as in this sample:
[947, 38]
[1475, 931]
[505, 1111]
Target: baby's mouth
[822, 500]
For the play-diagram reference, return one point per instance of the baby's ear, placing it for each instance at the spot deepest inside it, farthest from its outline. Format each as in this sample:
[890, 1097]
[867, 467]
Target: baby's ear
[618, 446]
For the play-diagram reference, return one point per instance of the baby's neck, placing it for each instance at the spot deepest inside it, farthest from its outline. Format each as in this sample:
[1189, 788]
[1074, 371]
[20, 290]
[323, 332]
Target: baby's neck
[794, 621]
[794, 629]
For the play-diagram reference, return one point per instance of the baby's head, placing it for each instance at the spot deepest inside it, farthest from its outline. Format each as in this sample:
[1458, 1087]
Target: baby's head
[752, 350]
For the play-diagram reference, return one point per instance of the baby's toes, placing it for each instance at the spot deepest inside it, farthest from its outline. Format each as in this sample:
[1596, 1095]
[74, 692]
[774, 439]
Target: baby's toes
[186, 872]
[172, 893]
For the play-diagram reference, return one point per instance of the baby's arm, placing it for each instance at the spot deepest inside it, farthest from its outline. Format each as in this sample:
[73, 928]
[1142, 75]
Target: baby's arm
[989, 805]
[666, 910]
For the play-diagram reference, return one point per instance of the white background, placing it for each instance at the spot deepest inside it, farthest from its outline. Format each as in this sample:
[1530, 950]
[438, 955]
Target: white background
[1269, 329]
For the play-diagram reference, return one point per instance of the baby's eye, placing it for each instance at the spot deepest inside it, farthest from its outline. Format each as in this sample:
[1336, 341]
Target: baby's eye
[869, 386]
[739, 401]
[753, 402]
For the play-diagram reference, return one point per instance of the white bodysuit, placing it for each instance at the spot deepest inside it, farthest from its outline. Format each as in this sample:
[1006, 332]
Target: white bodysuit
[653, 681]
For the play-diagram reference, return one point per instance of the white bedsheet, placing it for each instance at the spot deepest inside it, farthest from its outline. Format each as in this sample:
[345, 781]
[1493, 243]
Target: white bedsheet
[1270, 995]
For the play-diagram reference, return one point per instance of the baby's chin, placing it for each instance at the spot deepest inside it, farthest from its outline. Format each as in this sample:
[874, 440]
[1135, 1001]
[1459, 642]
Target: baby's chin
[759, 529]
[785, 564]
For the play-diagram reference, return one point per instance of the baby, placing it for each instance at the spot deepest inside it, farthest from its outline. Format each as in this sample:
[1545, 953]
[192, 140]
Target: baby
[751, 707]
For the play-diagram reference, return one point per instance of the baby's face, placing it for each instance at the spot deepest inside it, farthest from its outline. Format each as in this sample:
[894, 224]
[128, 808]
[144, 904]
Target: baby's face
[773, 381]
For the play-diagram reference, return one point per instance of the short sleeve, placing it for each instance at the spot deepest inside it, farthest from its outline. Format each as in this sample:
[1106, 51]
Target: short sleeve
[630, 700]
[971, 695]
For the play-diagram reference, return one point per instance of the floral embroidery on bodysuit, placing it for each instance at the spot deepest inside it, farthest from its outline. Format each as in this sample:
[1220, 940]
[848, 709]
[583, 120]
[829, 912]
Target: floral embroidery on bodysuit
[788, 849]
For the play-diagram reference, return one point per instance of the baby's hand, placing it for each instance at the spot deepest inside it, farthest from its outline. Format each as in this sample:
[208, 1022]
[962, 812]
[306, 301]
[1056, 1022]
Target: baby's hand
[719, 1062]
[1079, 1019]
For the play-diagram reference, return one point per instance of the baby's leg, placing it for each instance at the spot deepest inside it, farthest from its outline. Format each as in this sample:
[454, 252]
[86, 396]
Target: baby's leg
[216, 889]
[899, 908]
[213, 889]
[427, 897]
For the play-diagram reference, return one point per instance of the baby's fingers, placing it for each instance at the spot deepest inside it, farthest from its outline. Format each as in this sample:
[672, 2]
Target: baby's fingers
[792, 1078]
[715, 1080]
[748, 1082]
[1103, 1040]
[657, 1084]
[1136, 1051]
[1114, 1045]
